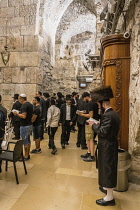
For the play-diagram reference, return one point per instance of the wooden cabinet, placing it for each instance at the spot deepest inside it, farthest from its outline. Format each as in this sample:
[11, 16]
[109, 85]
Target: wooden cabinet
[116, 66]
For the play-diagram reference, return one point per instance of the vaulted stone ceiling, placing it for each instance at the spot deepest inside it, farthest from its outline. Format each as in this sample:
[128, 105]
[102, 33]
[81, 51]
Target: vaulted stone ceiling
[63, 19]
[55, 10]
[76, 19]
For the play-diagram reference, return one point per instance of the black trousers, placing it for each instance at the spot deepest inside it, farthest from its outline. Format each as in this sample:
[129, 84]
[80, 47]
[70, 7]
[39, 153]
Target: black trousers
[81, 140]
[51, 133]
[16, 125]
[42, 129]
[66, 128]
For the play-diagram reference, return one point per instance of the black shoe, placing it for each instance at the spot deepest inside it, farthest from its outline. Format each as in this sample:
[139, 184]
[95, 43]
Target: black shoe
[67, 143]
[49, 146]
[54, 151]
[77, 144]
[28, 158]
[102, 202]
[85, 155]
[36, 151]
[63, 146]
[102, 190]
[89, 159]
[84, 147]
[25, 159]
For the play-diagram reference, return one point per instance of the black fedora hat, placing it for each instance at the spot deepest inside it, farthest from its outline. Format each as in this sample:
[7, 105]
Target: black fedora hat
[102, 94]
[68, 97]
[46, 95]
[16, 95]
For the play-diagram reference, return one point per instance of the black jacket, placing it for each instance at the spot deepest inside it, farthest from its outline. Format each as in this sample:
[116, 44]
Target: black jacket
[17, 105]
[43, 107]
[63, 114]
[59, 102]
[108, 148]
[81, 106]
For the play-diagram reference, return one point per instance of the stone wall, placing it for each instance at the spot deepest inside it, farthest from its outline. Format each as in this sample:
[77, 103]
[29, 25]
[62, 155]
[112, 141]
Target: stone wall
[70, 66]
[17, 26]
[133, 24]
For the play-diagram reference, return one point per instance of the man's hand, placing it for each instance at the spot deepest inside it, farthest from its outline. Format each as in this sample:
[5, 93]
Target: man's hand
[15, 113]
[60, 124]
[71, 123]
[90, 123]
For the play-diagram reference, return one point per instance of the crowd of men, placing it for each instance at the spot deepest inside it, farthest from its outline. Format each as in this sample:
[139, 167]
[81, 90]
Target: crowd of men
[91, 113]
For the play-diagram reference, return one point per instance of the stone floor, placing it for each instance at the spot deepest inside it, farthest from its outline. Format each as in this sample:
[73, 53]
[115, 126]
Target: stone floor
[60, 182]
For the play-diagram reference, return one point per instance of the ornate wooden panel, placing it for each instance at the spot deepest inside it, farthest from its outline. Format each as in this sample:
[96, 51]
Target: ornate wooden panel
[116, 64]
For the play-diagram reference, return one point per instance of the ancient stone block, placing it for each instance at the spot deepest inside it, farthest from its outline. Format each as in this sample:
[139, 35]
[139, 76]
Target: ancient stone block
[15, 43]
[14, 30]
[3, 3]
[27, 30]
[6, 91]
[27, 10]
[14, 57]
[28, 59]
[28, 2]
[31, 75]
[30, 20]
[1, 75]
[2, 42]
[31, 43]
[2, 22]
[15, 3]
[7, 75]
[18, 75]
[16, 11]
[7, 12]
[3, 31]
[16, 21]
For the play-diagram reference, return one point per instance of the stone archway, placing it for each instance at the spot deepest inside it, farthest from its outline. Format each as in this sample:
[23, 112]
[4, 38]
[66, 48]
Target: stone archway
[63, 21]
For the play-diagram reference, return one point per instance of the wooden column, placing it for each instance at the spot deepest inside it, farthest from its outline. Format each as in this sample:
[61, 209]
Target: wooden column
[116, 65]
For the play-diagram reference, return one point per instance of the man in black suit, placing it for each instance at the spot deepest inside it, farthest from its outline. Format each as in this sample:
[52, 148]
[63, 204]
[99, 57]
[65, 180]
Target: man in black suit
[67, 119]
[107, 131]
[74, 101]
[43, 114]
[47, 105]
[16, 119]
[81, 139]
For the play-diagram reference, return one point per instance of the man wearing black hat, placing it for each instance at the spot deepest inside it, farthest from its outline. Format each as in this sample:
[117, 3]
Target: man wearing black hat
[75, 103]
[43, 114]
[16, 119]
[47, 105]
[67, 119]
[107, 132]
[59, 100]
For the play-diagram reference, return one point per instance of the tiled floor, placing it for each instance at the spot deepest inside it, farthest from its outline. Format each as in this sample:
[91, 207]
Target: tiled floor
[60, 182]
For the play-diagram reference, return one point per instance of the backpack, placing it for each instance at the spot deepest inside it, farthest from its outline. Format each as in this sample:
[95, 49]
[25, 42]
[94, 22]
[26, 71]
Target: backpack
[2, 120]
